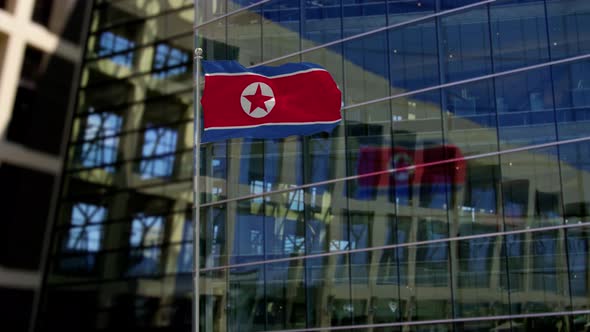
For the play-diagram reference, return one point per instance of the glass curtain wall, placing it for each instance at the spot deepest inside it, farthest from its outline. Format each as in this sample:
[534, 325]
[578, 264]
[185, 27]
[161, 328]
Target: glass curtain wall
[487, 232]
[480, 108]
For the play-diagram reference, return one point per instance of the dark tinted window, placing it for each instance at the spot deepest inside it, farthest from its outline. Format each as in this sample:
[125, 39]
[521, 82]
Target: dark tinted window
[25, 197]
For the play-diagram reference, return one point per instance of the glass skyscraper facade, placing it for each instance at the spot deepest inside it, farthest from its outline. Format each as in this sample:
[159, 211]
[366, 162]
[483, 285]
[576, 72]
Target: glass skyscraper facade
[454, 196]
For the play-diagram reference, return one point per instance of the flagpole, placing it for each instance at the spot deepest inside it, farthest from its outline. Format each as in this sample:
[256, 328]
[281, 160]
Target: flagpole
[196, 193]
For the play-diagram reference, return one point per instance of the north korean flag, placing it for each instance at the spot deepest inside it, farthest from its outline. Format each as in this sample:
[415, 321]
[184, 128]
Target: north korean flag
[268, 102]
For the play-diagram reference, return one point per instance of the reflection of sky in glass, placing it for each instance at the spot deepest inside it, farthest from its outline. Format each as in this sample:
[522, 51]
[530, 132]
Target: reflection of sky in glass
[158, 141]
[169, 57]
[296, 199]
[146, 231]
[85, 233]
[185, 257]
[111, 43]
[294, 243]
[96, 150]
[257, 187]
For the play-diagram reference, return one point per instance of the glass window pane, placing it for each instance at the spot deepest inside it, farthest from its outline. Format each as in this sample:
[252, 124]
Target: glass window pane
[569, 26]
[519, 33]
[428, 294]
[405, 10]
[478, 270]
[158, 147]
[471, 117]
[531, 189]
[578, 250]
[331, 59]
[100, 145]
[246, 301]
[537, 276]
[244, 31]
[362, 16]
[322, 22]
[465, 48]
[525, 109]
[280, 28]
[575, 164]
[365, 69]
[413, 55]
[572, 98]
[368, 149]
[210, 9]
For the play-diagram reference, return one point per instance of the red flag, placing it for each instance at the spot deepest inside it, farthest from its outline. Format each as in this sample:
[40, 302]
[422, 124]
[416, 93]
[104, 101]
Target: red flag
[268, 102]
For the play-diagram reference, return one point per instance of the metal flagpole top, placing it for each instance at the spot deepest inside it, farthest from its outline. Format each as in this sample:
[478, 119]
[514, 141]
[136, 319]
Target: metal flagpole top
[198, 53]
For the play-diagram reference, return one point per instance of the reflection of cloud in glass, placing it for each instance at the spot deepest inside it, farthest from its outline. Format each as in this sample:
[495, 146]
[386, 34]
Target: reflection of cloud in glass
[110, 43]
[100, 145]
[146, 235]
[85, 233]
[169, 61]
[158, 148]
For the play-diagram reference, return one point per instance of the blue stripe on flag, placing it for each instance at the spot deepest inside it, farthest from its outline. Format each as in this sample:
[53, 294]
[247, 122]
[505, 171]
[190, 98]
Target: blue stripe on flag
[267, 131]
[233, 67]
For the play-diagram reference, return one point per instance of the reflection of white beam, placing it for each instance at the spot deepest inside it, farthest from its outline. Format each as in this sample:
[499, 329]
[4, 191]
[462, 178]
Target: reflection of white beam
[37, 36]
[19, 155]
[19, 279]
[21, 31]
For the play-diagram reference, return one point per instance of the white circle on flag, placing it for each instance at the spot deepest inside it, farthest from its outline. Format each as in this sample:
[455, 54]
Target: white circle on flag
[402, 159]
[257, 100]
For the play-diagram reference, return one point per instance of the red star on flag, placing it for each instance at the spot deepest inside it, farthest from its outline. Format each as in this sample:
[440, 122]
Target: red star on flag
[257, 100]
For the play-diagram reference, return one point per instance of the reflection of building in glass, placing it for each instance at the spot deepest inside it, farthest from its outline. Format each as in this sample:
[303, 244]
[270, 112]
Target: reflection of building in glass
[469, 235]
[40, 57]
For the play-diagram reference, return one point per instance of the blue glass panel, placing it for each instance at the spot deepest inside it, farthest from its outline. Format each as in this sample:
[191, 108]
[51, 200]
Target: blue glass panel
[519, 34]
[111, 43]
[169, 61]
[365, 69]
[321, 23]
[363, 15]
[185, 256]
[146, 237]
[413, 57]
[86, 232]
[404, 10]
[100, 146]
[525, 108]
[569, 28]
[158, 152]
[84, 238]
[465, 45]
[450, 4]
[572, 98]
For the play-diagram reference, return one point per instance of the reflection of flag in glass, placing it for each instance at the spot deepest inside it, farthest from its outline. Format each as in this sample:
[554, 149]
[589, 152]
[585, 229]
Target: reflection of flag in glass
[375, 159]
[268, 102]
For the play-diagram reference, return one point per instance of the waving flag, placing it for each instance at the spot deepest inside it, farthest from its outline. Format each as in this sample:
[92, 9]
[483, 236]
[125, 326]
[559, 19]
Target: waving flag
[268, 102]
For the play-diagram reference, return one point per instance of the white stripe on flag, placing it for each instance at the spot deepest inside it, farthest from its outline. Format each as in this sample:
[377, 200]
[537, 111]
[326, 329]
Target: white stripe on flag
[275, 76]
[275, 124]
